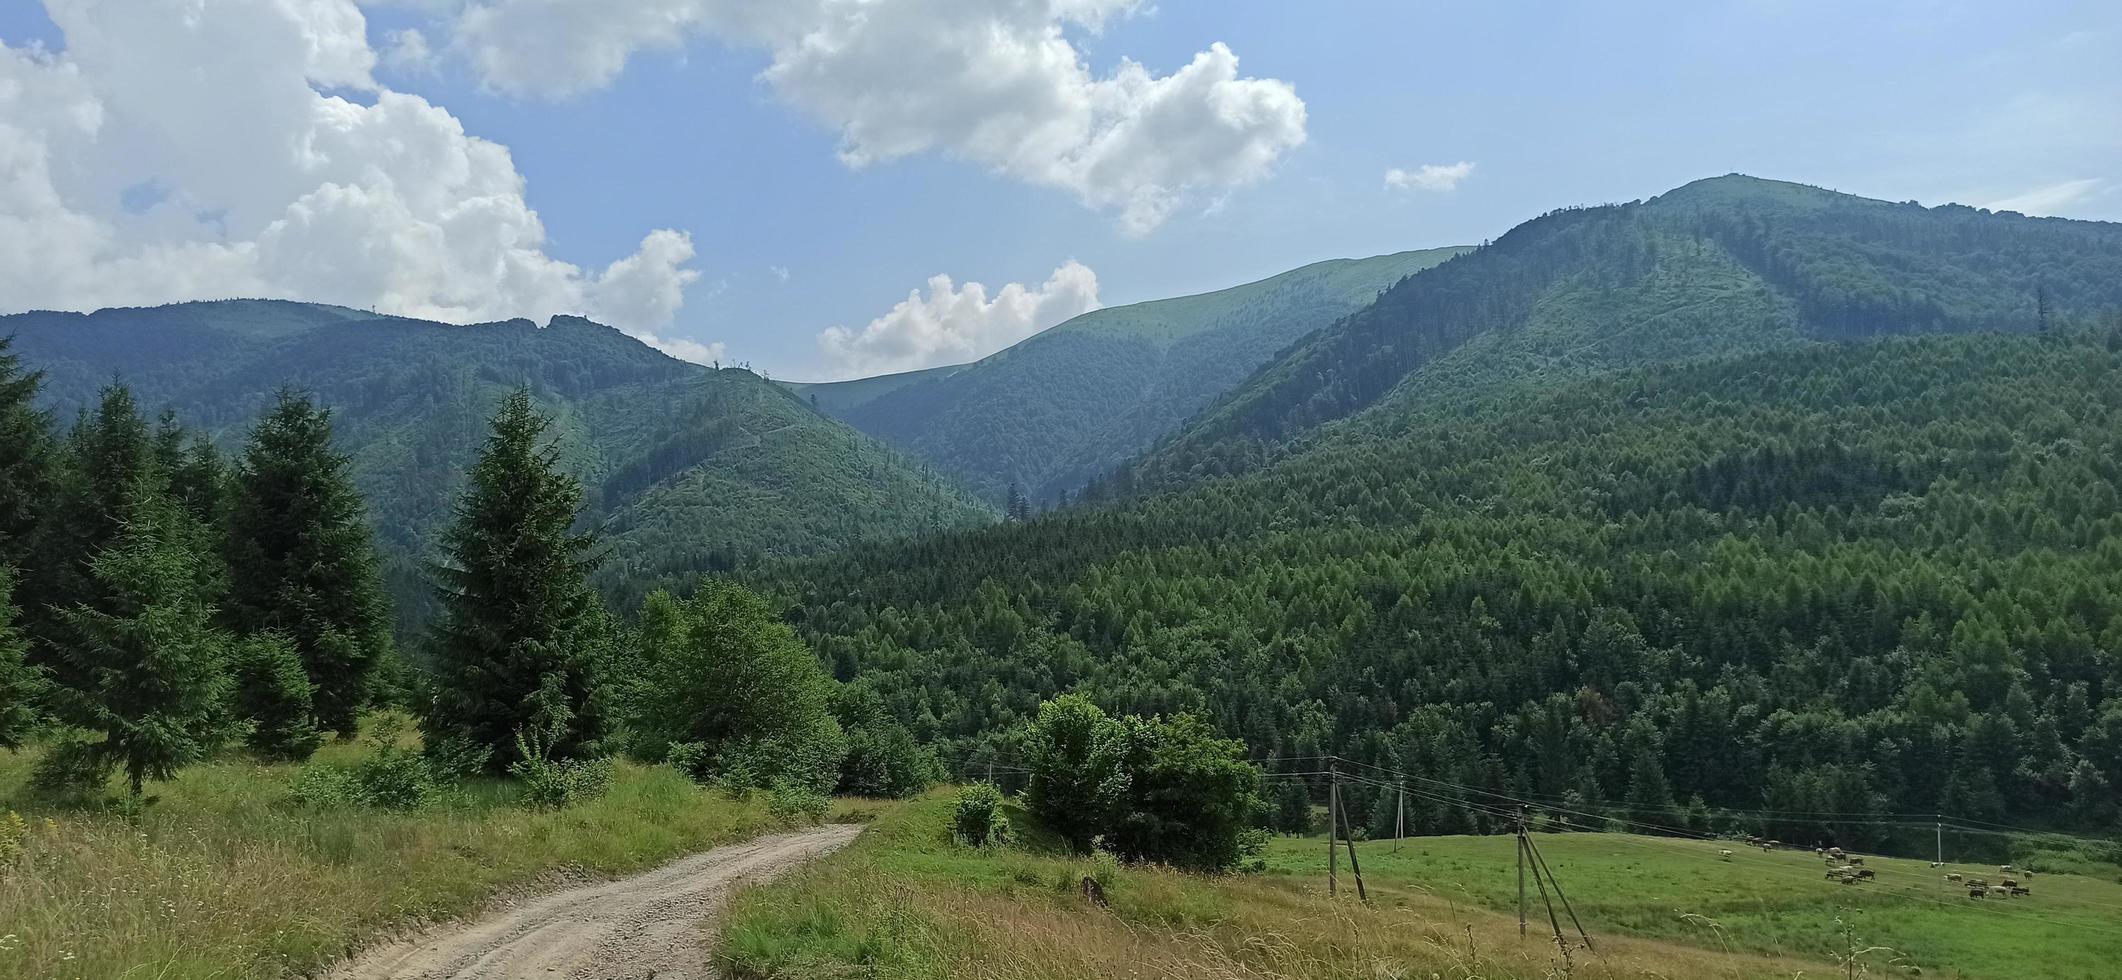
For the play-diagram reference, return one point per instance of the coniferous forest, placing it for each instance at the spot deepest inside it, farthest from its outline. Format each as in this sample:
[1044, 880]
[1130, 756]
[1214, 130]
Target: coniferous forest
[1749, 499]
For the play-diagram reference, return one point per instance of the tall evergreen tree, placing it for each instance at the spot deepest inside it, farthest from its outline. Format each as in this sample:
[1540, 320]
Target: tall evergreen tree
[147, 664]
[107, 456]
[518, 621]
[20, 685]
[26, 457]
[301, 559]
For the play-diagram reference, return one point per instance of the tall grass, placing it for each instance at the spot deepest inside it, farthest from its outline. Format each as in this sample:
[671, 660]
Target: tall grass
[905, 903]
[224, 877]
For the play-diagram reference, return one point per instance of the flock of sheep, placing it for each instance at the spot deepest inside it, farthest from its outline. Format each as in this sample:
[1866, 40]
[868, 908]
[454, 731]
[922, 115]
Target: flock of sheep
[1849, 869]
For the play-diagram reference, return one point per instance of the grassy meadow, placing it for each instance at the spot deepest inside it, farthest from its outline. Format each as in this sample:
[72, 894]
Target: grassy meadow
[905, 902]
[1776, 903]
[225, 877]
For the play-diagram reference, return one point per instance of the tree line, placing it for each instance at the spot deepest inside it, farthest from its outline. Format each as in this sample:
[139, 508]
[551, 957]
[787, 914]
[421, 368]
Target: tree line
[161, 602]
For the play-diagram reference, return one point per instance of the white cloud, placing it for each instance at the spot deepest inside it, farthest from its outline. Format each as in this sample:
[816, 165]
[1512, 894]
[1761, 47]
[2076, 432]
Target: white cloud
[409, 54]
[952, 324]
[1438, 177]
[267, 187]
[780, 272]
[2053, 198]
[993, 82]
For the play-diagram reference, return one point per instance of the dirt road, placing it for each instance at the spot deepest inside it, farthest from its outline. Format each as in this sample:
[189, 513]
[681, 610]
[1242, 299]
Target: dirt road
[648, 927]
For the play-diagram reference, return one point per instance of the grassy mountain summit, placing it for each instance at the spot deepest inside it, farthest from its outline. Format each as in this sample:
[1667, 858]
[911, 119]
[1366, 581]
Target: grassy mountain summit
[1064, 405]
[687, 468]
[1720, 266]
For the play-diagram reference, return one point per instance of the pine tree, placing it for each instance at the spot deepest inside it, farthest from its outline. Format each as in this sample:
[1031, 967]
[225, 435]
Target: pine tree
[274, 694]
[107, 456]
[26, 458]
[149, 668]
[20, 684]
[1015, 507]
[301, 559]
[517, 616]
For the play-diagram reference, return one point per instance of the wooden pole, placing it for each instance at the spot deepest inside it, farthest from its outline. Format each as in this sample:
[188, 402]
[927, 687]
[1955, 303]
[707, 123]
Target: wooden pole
[1521, 871]
[1400, 819]
[1333, 826]
[1348, 835]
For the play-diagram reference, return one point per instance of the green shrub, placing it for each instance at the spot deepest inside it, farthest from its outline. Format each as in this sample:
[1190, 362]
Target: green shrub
[977, 821]
[691, 758]
[555, 784]
[455, 757]
[789, 802]
[324, 787]
[396, 779]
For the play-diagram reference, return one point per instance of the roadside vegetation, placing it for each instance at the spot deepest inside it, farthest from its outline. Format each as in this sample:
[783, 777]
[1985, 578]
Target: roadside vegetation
[230, 873]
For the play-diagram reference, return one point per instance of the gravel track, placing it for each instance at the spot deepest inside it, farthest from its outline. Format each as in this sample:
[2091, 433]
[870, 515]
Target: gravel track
[651, 926]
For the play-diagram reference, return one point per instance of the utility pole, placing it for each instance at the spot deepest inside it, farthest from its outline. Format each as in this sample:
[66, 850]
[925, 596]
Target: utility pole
[1521, 871]
[1400, 819]
[1333, 825]
[1348, 834]
[1941, 838]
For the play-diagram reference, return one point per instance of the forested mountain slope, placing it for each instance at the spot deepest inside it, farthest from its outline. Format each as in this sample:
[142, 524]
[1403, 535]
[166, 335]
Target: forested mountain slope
[1859, 577]
[1720, 266]
[1069, 403]
[687, 468]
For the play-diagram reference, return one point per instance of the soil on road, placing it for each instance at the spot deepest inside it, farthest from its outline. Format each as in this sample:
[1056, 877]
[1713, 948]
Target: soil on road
[651, 926]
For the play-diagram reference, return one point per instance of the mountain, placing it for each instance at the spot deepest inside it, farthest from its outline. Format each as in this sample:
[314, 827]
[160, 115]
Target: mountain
[1072, 401]
[1848, 577]
[687, 469]
[1752, 494]
[1720, 266]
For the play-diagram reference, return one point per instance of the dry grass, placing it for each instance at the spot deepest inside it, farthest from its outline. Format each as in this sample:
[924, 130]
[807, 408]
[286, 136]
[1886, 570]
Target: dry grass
[224, 878]
[904, 903]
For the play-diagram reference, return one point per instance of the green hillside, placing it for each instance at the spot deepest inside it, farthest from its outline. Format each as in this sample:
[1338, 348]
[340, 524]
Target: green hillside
[1063, 406]
[688, 469]
[1849, 577]
[1720, 266]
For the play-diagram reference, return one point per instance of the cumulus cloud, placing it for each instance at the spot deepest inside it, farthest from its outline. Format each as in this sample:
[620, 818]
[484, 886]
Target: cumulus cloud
[997, 83]
[1438, 177]
[408, 53]
[265, 186]
[953, 324]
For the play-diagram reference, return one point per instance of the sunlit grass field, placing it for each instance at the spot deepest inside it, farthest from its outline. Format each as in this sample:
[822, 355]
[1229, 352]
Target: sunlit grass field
[904, 901]
[1781, 903]
[224, 877]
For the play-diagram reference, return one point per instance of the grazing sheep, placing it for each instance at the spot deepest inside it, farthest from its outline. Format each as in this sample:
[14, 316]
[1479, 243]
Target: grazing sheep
[1725, 854]
[1976, 891]
[1999, 891]
[2005, 870]
[2008, 882]
[1836, 852]
[1867, 874]
[1955, 876]
[2022, 890]
[1856, 860]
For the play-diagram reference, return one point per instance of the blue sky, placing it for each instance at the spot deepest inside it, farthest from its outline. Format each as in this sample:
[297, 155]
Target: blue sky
[1552, 104]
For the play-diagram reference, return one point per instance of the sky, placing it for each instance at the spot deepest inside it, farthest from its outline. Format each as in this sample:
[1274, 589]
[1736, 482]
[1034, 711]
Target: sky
[825, 189]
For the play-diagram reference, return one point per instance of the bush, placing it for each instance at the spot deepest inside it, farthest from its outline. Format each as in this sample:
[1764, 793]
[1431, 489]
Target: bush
[807, 756]
[1154, 790]
[396, 779]
[690, 758]
[323, 787]
[70, 767]
[884, 762]
[789, 802]
[456, 757]
[978, 821]
[555, 784]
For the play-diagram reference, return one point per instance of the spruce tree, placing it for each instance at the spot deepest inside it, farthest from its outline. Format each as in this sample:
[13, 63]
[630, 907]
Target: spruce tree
[20, 685]
[518, 624]
[26, 458]
[274, 694]
[301, 560]
[107, 456]
[147, 664]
